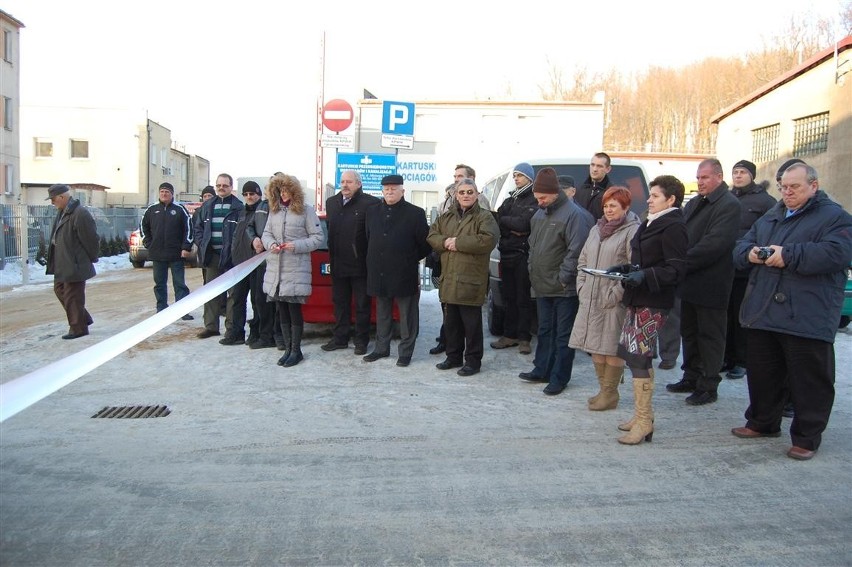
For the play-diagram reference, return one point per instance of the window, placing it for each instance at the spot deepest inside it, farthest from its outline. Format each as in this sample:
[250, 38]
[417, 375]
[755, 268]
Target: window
[810, 135]
[7, 112]
[153, 151]
[43, 148]
[764, 143]
[8, 172]
[7, 46]
[79, 149]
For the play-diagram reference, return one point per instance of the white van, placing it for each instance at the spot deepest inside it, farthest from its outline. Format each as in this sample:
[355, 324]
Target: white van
[626, 173]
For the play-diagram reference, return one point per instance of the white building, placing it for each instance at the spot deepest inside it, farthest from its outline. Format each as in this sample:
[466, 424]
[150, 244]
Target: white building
[10, 85]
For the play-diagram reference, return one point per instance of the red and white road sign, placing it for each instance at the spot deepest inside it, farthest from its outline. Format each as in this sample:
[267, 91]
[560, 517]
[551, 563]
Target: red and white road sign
[337, 115]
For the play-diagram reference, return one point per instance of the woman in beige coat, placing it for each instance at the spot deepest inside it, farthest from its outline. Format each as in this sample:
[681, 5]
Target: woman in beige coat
[601, 315]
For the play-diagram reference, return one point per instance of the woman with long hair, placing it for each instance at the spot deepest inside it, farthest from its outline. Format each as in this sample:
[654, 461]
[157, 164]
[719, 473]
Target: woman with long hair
[292, 232]
[601, 314]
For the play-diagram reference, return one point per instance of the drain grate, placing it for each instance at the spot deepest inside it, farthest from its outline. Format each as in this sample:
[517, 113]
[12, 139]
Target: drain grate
[133, 412]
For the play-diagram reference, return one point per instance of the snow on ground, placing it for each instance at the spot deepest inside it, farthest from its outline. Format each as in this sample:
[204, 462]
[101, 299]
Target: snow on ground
[11, 276]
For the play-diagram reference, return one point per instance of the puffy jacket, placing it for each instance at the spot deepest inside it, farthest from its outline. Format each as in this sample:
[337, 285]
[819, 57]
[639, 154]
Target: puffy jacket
[347, 236]
[288, 273]
[805, 297]
[558, 234]
[464, 272]
[513, 218]
[74, 244]
[166, 230]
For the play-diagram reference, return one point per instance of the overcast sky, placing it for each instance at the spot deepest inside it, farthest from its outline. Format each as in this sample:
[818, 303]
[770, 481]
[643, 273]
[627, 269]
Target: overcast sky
[238, 83]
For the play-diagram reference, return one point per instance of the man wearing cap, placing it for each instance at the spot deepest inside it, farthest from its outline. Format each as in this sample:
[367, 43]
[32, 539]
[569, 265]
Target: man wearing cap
[566, 183]
[208, 231]
[396, 242]
[559, 229]
[166, 231]
[465, 235]
[346, 213]
[755, 201]
[590, 193]
[513, 218]
[74, 246]
[207, 193]
[712, 221]
[798, 252]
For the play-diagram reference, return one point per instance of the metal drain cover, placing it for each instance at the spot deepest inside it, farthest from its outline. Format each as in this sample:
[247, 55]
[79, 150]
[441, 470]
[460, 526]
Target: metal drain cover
[133, 412]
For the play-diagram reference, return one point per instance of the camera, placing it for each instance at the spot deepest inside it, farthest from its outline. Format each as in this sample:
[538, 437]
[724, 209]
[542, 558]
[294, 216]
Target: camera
[764, 252]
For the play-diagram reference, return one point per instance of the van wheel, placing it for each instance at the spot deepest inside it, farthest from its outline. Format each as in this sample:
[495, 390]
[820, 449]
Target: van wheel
[137, 264]
[844, 322]
[495, 317]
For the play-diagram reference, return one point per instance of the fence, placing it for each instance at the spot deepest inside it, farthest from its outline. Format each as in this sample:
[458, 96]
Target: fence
[26, 227]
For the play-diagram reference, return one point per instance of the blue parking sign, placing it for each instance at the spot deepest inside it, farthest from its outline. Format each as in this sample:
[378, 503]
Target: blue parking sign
[398, 118]
[372, 168]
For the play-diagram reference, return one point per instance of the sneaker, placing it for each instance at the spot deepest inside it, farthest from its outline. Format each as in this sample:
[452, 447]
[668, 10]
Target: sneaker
[504, 342]
[735, 373]
[331, 345]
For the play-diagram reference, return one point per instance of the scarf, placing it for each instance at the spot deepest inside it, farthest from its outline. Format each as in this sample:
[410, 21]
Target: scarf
[607, 228]
[654, 216]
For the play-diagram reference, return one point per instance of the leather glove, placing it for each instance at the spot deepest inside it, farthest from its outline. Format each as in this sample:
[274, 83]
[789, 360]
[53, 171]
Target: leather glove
[634, 279]
[619, 269]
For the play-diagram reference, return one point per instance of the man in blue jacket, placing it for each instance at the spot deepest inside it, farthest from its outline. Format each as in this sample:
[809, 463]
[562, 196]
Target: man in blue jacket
[166, 231]
[798, 252]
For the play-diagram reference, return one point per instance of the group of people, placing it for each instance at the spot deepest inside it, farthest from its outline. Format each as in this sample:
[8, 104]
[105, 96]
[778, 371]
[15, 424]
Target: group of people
[759, 282]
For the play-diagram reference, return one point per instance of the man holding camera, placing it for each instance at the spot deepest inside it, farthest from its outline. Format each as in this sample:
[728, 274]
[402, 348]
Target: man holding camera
[798, 253]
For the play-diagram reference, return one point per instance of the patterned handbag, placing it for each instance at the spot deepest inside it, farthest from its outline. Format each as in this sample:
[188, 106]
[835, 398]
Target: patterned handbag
[640, 329]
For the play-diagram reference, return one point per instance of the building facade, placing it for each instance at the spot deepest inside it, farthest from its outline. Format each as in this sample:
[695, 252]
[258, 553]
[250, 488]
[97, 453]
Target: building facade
[805, 113]
[10, 88]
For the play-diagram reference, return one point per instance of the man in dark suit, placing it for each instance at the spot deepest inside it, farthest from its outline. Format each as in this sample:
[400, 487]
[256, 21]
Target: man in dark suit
[396, 242]
[712, 223]
[347, 252]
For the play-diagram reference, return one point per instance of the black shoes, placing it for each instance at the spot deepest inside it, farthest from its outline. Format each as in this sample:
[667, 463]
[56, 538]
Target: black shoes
[736, 373]
[70, 336]
[261, 343]
[531, 377]
[331, 345]
[438, 349]
[448, 364]
[229, 340]
[374, 356]
[294, 358]
[786, 412]
[554, 390]
[467, 371]
[360, 349]
[403, 361]
[187, 317]
[667, 364]
[207, 333]
[700, 398]
[681, 387]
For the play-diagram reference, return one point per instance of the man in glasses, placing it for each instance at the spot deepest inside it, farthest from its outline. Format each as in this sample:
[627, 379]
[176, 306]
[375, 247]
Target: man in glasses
[465, 235]
[208, 234]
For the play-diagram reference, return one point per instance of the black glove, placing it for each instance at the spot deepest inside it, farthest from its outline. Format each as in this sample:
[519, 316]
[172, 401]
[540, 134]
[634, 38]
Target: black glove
[634, 279]
[619, 269]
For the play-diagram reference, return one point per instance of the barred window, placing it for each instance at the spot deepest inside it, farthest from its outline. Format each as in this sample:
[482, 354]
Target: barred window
[810, 135]
[764, 143]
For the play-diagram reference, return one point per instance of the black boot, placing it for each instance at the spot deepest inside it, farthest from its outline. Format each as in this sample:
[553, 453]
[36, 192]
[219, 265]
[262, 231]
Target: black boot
[286, 341]
[295, 348]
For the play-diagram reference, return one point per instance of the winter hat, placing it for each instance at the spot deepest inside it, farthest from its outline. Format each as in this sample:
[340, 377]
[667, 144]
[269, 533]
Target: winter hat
[168, 186]
[251, 187]
[524, 169]
[785, 166]
[545, 181]
[747, 165]
[56, 190]
[208, 191]
[566, 181]
[392, 180]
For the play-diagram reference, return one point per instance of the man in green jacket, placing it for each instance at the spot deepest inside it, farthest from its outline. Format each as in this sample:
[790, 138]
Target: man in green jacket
[464, 236]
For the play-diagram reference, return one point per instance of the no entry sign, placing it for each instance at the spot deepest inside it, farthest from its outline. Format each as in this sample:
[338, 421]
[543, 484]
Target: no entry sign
[337, 115]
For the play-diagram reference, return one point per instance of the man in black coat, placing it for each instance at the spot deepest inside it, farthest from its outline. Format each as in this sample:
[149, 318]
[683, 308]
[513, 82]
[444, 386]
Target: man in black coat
[347, 250]
[590, 193]
[166, 231]
[712, 223]
[396, 242]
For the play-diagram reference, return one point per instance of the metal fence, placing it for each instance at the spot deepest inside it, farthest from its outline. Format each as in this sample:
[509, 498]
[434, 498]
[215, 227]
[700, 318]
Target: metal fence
[26, 227]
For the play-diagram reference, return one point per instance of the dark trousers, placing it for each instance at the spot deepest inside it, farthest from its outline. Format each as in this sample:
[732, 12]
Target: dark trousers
[236, 307]
[262, 323]
[344, 291]
[218, 306]
[515, 288]
[463, 329]
[669, 335]
[735, 341]
[409, 323]
[703, 332]
[72, 297]
[161, 279]
[779, 364]
[554, 359]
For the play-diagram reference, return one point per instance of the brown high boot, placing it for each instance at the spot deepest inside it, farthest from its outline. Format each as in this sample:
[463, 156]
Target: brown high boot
[608, 398]
[600, 367]
[643, 426]
[628, 425]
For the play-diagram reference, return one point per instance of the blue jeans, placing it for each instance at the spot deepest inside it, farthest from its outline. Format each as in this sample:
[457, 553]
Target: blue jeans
[554, 359]
[161, 276]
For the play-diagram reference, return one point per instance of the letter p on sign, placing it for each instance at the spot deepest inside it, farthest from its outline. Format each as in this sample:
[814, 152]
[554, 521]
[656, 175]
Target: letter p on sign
[398, 118]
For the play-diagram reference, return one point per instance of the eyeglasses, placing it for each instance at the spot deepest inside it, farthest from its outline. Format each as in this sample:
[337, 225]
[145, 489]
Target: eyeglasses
[225, 186]
[463, 192]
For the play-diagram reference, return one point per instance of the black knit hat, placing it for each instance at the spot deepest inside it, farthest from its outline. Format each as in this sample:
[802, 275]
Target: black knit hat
[251, 187]
[208, 191]
[785, 166]
[747, 165]
[169, 186]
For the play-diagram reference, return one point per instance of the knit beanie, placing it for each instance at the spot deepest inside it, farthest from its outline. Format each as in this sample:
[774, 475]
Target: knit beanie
[785, 166]
[252, 187]
[168, 186]
[546, 182]
[747, 165]
[208, 191]
[524, 169]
